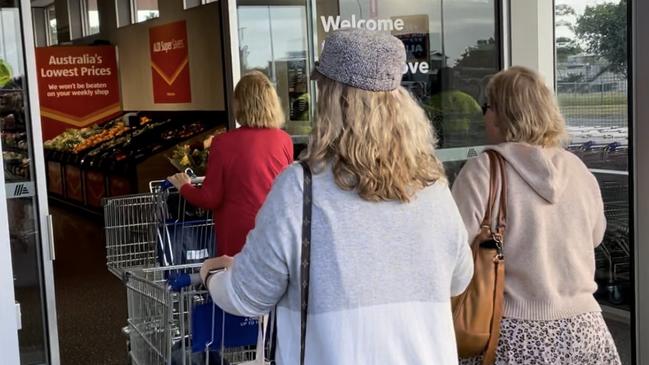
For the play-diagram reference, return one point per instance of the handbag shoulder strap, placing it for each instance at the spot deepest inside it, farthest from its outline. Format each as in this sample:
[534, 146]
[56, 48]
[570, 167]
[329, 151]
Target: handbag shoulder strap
[497, 163]
[306, 253]
[493, 186]
[305, 263]
[502, 208]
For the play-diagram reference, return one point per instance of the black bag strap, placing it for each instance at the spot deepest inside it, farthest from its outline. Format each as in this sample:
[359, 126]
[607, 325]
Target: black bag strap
[305, 263]
[306, 253]
[272, 342]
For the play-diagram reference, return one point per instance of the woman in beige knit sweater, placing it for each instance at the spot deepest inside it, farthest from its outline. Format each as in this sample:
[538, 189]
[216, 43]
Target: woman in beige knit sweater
[555, 219]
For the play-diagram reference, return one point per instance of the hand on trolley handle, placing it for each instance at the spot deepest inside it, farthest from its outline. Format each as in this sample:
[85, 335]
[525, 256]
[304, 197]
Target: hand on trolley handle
[184, 278]
[176, 181]
[179, 179]
[214, 265]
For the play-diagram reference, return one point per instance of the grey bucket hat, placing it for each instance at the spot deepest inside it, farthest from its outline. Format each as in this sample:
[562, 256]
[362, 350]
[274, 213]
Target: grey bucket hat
[368, 60]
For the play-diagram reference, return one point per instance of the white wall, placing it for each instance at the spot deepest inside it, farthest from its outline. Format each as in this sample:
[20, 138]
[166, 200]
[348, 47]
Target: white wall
[532, 36]
[205, 61]
[205, 55]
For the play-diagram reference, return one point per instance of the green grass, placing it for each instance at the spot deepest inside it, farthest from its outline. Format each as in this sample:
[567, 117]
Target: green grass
[613, 104]
[590, 99]
[595, 110]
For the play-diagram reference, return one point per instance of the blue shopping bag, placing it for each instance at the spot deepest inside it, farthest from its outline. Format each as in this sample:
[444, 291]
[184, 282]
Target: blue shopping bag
[229, 330]
[185, 242]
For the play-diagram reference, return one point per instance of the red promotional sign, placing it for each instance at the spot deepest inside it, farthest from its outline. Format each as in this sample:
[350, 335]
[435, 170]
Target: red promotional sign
[77, 87]
[170, 63]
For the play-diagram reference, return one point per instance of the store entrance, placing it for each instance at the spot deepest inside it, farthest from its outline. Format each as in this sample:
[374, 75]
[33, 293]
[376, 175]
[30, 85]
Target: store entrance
[87, 292]
[156, 131]
[453, 48]
[109, 129]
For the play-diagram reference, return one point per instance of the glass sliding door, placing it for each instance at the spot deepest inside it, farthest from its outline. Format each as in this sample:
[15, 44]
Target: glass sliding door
[273, 39]
[639, 87]
[453, 47]
[23, 162]
[592, 88]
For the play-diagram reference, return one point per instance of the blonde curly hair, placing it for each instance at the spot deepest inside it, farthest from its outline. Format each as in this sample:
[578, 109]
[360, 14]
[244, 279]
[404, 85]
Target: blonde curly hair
[379, 144]
[527, 109]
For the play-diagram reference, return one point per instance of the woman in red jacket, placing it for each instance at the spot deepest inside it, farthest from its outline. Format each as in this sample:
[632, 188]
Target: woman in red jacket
[242, 163]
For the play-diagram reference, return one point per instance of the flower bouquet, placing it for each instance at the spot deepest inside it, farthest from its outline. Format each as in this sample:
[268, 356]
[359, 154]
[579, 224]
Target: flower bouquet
[193, 156]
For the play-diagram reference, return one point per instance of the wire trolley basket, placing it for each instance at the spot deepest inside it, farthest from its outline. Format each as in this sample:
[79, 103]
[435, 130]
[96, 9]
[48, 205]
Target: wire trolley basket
[159, 228]
[155, 243]
[172, 321]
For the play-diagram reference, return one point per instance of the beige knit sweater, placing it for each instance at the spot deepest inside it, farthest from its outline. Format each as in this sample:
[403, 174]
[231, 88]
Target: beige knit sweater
[555, 219]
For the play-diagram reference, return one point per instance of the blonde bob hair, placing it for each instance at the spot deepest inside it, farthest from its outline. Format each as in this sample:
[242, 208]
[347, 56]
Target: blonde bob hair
[256, 104]
[526, 109]
[379, 144]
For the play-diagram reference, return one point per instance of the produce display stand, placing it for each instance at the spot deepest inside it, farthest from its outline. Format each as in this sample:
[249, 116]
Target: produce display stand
[15, 150]
[130, 151]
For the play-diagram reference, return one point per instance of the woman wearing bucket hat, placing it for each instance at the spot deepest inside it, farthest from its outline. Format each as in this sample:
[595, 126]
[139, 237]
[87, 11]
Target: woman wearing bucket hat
[360, 259]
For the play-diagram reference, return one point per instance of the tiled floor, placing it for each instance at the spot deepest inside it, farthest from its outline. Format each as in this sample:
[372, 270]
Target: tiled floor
[91, 302]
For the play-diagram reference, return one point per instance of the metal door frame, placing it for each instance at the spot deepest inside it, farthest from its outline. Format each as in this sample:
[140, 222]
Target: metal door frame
[639, 74]
[9, 315]
[44, 219]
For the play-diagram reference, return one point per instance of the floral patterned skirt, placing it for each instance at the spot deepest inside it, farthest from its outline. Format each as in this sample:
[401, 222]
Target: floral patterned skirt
[583, 339]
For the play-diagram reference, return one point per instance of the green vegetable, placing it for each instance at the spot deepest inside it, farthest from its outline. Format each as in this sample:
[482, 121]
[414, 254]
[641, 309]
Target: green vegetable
[5, 73]
[456, 108]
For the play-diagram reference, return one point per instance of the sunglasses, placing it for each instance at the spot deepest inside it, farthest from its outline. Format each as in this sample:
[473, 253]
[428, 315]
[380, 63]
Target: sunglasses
[485, 107]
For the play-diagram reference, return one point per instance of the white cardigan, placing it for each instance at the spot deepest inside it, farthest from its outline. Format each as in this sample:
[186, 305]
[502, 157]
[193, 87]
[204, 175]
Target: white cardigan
[382, 274]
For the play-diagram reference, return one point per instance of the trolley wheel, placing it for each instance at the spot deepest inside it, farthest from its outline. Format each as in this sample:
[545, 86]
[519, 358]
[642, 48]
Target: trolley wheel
[126, 331]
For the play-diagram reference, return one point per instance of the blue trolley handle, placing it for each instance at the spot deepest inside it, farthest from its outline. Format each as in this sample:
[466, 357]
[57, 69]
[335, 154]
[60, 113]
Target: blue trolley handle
[180, 281]
[166, 185]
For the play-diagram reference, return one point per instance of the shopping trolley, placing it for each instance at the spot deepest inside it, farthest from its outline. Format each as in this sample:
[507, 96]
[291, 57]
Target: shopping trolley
[609, 162]
[158, 228]
[155, 242]
[172, 321]
[613, 255]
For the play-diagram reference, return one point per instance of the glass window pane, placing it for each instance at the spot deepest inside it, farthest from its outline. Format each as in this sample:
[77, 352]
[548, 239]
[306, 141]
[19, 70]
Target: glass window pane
[52, 32]
[145, 10]
[593, 94]
[254, 39]
[592, 88]
[17, 151]
[273, 39]
[452, 49]
[92, 17]
[290, 65]
[192, 3]
[123, 12]
[75, 15]
[472, 56]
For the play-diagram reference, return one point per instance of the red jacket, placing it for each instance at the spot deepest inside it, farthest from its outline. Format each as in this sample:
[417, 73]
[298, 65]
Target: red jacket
[241, 168]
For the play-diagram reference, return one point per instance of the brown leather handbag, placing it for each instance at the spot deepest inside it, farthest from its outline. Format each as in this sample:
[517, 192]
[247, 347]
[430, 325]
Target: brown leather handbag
[477, 312]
